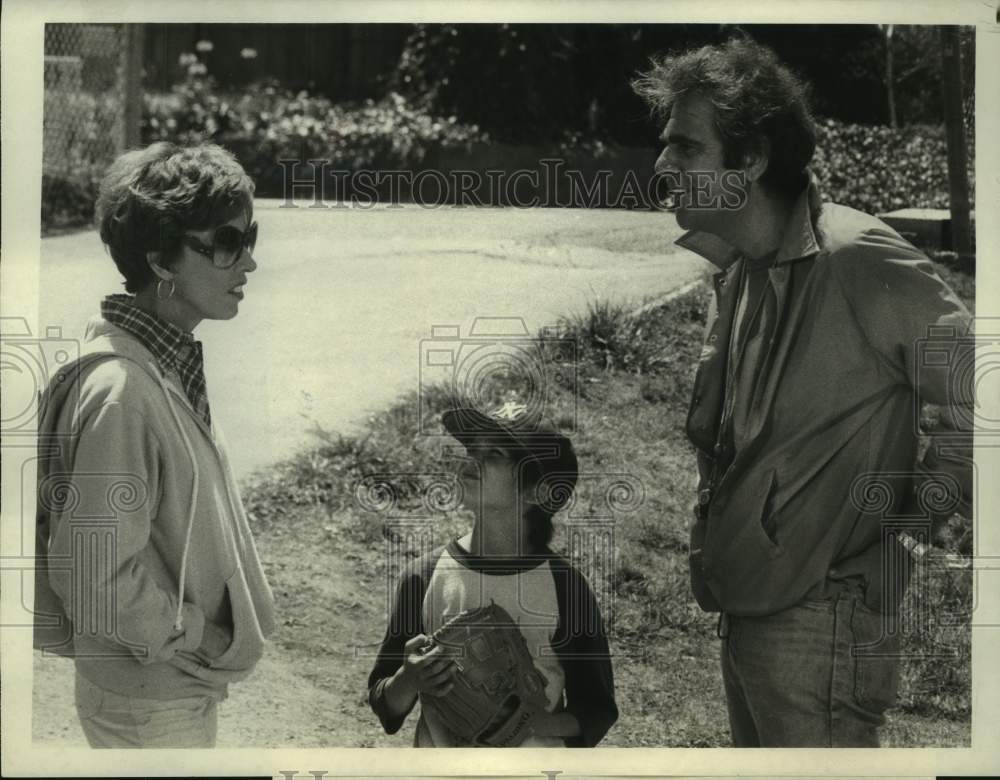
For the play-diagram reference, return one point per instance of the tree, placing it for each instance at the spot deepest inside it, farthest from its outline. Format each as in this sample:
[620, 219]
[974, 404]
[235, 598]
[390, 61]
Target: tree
[890, 82]
[958, 179]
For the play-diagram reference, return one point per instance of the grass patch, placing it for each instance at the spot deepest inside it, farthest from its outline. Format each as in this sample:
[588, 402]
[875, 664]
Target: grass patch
[330, 543]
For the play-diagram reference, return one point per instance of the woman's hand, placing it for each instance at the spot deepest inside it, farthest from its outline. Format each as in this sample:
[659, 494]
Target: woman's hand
[424, 671]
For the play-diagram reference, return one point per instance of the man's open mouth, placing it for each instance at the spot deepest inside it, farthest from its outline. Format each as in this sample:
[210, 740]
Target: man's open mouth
[673, 199]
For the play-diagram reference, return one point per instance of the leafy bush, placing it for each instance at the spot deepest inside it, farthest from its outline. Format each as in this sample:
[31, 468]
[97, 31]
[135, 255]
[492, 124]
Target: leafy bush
[68, 198]
[870, 167]
[550, 80]
[267, 122]
[876, 169]
[611, 336]
[78, 140]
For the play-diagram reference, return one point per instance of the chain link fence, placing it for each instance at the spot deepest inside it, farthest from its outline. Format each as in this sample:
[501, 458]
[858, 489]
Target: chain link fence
[92, 108]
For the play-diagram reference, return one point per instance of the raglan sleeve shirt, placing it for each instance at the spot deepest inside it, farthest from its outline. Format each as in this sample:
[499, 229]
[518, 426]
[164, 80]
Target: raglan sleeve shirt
[582, 646]
[405, 622]
[579, 642]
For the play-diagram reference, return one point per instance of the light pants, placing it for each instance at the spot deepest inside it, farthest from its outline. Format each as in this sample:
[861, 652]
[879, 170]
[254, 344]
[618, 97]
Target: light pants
[111, 720]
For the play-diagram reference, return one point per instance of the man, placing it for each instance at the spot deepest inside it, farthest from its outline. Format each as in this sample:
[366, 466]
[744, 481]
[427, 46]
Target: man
[803, 406]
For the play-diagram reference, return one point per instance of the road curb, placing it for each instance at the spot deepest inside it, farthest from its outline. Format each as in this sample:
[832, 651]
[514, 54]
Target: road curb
[666, 297]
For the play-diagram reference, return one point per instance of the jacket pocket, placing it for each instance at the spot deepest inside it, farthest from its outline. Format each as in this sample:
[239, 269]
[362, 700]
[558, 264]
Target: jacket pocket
[87, 697]
[758, 528]
[765, 516]
[743, 567]
[248, 641]
[876, 659]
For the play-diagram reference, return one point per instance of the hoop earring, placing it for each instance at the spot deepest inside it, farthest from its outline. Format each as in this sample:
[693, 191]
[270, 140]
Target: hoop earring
[159, 290]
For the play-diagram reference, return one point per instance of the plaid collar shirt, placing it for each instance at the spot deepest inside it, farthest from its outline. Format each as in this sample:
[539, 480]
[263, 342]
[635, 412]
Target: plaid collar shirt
[172, 347]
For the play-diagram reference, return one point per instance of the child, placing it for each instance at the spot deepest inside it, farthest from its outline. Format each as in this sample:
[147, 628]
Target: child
[505, 559]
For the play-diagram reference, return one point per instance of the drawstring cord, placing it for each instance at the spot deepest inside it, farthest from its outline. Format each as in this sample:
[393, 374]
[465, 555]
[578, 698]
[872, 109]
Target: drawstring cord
[178, 621]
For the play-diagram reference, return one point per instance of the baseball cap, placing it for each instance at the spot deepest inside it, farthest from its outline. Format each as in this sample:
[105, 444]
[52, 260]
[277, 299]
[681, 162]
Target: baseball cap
[510, 427]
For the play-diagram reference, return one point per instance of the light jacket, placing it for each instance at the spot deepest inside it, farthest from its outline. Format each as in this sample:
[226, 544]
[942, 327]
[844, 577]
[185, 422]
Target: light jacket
[143, 541]
[827, 469]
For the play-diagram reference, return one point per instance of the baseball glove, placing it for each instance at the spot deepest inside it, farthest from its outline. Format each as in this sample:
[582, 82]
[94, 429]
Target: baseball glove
[497, 691]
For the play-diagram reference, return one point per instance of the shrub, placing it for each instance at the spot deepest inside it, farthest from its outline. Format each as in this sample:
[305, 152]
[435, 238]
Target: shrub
[79, 135]
[876, 169]
[266, 122]
[545, 80]
[68, 198]
[659, 340]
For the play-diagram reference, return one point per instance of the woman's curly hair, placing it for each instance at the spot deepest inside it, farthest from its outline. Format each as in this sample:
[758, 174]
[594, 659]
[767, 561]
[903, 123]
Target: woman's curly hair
[150, 197]
[755, 97]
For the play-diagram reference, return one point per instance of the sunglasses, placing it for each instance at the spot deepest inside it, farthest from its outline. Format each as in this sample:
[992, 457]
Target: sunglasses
[227, 245]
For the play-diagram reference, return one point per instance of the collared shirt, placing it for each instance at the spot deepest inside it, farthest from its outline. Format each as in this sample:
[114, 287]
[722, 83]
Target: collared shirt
[174, 348]
[752, 323]
[753, 328]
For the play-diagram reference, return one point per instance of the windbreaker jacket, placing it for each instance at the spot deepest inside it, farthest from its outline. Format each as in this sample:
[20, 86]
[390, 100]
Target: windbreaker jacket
[143, 540]
[827, 469]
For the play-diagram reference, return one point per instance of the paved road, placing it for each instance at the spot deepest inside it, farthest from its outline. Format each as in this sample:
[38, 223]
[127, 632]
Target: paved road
[333, 319]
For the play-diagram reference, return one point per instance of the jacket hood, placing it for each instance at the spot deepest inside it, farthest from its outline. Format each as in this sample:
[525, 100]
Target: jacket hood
[102, 336]
[101, 340]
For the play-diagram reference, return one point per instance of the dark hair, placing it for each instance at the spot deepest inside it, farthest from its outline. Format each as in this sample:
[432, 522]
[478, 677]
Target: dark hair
[539, 513]
[755, 96]
[540, 527]
[150, 197]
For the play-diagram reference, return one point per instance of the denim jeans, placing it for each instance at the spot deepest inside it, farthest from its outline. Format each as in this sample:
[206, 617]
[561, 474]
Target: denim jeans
[111, 720]
[820, 674]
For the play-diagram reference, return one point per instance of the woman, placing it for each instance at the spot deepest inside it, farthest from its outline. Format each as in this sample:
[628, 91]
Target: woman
[149, 554]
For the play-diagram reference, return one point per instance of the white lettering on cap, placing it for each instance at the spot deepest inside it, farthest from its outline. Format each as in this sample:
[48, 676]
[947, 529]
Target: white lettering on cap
[511, 410]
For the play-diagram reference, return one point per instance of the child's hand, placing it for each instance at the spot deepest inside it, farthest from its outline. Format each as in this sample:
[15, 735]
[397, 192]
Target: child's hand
[424, 670]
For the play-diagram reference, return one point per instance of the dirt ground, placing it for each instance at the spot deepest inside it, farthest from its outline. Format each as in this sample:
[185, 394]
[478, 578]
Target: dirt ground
[309, 691]
[338, 343]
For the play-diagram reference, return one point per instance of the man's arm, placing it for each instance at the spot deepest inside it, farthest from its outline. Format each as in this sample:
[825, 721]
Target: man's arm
[921, 329]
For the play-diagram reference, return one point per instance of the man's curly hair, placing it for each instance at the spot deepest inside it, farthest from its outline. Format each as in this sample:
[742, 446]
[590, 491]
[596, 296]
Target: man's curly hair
[755, 97]
[150, 197]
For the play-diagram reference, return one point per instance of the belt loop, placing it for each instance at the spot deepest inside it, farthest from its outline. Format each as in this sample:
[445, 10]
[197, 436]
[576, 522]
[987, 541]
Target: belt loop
[722, 629]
